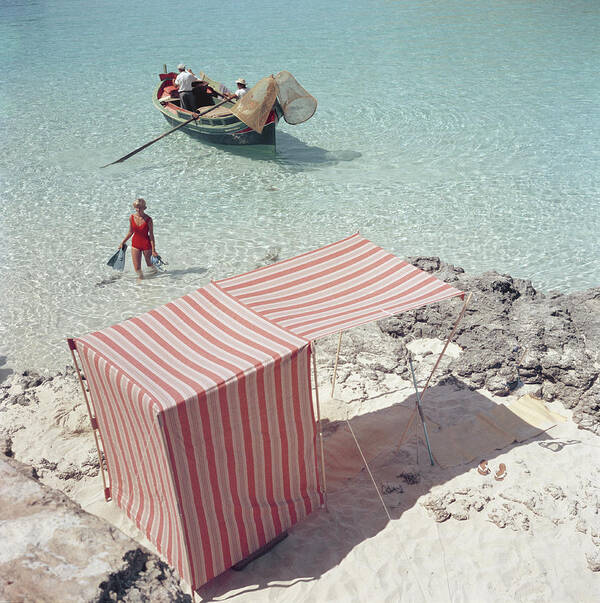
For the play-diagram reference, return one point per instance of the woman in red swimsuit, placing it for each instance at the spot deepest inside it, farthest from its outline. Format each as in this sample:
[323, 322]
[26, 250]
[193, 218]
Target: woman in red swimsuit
[141, 228]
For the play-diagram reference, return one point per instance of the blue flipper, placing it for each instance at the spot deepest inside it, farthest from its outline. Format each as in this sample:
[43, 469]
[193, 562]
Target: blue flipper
[158, 262]
[117, 261]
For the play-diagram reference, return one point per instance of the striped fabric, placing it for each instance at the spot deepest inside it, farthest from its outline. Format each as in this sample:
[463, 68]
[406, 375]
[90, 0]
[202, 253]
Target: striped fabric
[336, 287]
[206, 418]
[204, 405]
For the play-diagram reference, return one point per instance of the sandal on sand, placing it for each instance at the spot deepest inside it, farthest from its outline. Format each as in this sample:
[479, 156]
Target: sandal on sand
[501, 473]
[483, 468]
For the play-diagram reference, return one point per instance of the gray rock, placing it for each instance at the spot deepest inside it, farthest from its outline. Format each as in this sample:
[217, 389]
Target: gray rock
[52, 550]
[513, 334]
[504, 516]
[6, 445]
[459, 510]
[593, 559]
[436, 505]
[456, 504]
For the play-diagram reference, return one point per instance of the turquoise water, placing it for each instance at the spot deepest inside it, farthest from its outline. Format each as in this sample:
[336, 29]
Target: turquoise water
[467, 130]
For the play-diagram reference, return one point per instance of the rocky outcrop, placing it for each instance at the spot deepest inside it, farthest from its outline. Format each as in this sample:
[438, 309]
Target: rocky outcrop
[52, 550]
[44, 423]
[512, 333]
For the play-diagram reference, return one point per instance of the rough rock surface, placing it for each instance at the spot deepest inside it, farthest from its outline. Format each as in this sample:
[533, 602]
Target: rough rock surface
[52, 550]
[511, 333]
[44, 423]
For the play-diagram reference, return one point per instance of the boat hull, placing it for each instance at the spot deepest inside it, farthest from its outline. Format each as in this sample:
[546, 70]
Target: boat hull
[245, 136]
[221, 130]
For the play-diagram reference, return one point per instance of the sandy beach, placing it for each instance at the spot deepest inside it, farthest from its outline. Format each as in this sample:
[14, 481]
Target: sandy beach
[406, 530]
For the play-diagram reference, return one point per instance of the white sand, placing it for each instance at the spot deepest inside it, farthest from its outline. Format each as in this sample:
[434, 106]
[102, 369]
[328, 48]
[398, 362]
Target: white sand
[527, 538]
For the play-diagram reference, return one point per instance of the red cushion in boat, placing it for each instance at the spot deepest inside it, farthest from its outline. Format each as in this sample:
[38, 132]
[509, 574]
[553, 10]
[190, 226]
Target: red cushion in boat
[171, 91]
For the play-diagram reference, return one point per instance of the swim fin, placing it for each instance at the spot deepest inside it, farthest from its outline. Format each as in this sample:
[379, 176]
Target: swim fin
[158, 262]
[117, 261]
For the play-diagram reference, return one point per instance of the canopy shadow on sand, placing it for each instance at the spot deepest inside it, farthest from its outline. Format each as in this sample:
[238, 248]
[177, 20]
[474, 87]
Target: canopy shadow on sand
[355, 510]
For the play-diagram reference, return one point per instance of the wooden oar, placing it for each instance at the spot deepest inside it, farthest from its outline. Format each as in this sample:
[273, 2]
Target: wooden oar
[223, 95]
[196, 116]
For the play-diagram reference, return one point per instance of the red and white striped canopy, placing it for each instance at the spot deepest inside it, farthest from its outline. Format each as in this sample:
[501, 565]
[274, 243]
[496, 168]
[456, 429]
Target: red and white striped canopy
[204, 405]
[336, 287]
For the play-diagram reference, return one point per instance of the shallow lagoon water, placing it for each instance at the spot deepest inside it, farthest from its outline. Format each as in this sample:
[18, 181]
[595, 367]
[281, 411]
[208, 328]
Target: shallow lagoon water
[470, 131]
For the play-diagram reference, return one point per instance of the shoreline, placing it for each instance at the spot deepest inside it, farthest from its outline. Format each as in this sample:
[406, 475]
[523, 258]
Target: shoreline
[428, 263]
[442, 518]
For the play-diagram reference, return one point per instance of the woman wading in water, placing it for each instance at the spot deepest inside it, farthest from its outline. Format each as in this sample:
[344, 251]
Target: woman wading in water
[141, 228]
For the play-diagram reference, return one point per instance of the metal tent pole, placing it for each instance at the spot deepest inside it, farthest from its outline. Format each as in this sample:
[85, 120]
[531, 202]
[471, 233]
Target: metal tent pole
[337, 357]
[462, 312]
[420, 411]
[93, 419]
[314, 357]
[456, 323]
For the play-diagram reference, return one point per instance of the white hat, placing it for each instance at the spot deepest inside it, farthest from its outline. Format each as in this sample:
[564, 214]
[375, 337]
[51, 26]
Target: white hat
[241, 81]
[181, 67]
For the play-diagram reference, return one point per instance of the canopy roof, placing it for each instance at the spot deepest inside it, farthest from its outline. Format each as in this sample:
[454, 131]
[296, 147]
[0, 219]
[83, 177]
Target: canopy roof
[192, 344]
[336, 287]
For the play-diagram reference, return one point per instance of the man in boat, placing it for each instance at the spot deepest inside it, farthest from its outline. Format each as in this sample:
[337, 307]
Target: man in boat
[203, 94]
[184, 84]
[241, 89]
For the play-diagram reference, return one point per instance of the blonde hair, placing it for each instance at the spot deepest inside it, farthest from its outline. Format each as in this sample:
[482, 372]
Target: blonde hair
[139, 201]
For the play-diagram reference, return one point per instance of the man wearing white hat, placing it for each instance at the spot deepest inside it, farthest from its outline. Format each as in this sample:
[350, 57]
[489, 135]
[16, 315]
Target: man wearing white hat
[184, 84]
[241, 87]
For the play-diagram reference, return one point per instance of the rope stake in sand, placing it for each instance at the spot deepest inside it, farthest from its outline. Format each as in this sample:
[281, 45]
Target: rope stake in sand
[369, 471]
[314, 356]
[408, 559]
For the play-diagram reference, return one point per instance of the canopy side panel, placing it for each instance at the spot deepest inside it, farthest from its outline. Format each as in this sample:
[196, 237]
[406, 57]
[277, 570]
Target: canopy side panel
[243, 453]
[336, 287]
[231, 445]
[138, 466]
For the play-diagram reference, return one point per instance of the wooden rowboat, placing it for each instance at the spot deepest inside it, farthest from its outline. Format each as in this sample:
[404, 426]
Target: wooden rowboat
[219, 126]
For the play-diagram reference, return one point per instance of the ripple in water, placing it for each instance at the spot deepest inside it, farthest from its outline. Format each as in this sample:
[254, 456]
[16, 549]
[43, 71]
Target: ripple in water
[443, 128]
